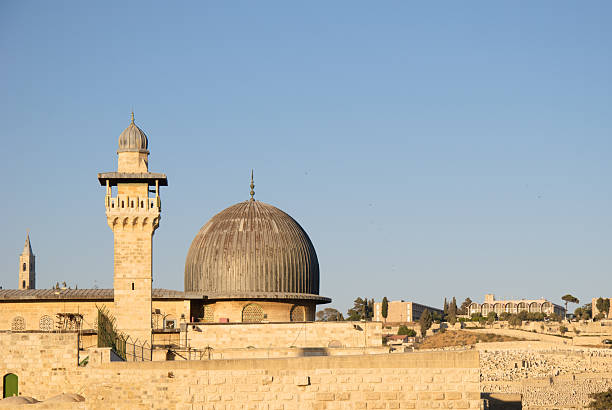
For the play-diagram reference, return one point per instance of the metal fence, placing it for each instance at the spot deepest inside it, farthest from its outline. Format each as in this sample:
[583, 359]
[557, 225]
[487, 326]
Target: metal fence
[122, 345]
[135, 352]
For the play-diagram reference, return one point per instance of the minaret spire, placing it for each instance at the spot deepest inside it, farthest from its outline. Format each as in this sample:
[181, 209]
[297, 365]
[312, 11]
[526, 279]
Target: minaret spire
[27, 248]
[27, 266]
[252, 187]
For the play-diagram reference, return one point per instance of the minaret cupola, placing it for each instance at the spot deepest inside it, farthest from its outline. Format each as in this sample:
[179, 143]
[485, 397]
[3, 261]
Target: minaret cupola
[133, 153]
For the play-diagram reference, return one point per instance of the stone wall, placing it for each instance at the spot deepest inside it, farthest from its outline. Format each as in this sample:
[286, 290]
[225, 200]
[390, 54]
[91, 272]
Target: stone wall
[412, 380]
[33, 311]
[307, 334]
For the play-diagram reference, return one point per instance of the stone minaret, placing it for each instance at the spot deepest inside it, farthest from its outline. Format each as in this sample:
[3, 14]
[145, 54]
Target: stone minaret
[27, 267]
[133, 215]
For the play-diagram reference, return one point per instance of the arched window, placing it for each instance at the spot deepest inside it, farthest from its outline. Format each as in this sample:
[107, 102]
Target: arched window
[298, 314]
[18, 323]
[534, 307]
[547, 307]
[498, 308]
[24, 266]
[521, 306]
[474, 308]
[252, 313]
[46, 323]
[122, 204]
[23, 284]
[485, 309]
[142, 204]
[510, 307]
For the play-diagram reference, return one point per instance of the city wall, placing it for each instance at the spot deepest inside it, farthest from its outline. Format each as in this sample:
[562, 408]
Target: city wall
[285, 335]
[46, 366]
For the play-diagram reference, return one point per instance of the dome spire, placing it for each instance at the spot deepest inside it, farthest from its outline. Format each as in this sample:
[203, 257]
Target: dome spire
[132, 116]
[252, 187]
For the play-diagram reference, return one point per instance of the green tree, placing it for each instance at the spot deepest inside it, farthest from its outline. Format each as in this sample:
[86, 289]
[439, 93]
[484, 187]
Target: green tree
[491, 317]
[601, 401]
[569, 299]
[587, 311]
[562, 330]
[515, 321]
[426, 320]
[384, 310]
[464, 309]
[452, 312]
[370, 310]
[445, 309]
[476, 316]
[329, 315]
[358, 311]
[578, 313]
[403, 330]
[504, 316]
[603, 305]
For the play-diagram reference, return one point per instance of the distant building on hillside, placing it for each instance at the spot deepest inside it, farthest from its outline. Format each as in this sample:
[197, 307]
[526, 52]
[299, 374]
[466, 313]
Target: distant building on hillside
[401, 311]
[515, 306]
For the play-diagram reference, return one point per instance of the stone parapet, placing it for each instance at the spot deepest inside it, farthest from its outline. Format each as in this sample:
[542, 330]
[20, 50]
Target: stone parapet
[410, 380]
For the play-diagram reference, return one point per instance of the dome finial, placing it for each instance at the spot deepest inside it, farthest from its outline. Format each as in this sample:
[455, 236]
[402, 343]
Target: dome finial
[252, 187]
[132, 116]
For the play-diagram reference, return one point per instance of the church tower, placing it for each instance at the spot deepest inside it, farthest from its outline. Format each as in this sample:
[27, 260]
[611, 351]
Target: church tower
[133, 215]
[27, 267]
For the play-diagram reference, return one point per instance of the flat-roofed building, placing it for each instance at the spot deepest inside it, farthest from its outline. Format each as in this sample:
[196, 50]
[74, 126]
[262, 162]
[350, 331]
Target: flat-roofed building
[515, 306]
[401, 311]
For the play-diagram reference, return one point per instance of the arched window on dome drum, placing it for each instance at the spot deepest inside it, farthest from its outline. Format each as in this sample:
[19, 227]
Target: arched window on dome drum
[208, 314]
[252, 313]
[298, 313]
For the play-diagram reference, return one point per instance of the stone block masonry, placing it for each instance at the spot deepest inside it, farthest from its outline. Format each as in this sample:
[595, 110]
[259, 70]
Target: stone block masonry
[285, 335]
[411, 380]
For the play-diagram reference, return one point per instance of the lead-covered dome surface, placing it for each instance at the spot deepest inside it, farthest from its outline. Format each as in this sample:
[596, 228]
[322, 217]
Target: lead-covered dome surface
[252, 247]
[133, 139]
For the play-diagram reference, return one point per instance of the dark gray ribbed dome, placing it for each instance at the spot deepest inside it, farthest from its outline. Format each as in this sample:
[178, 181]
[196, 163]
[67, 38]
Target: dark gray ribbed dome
[252, 247]
[133, 139]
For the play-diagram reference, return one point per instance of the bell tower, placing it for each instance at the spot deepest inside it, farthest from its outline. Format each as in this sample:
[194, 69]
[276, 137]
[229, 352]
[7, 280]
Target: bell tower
[133, 212]
[27, 267]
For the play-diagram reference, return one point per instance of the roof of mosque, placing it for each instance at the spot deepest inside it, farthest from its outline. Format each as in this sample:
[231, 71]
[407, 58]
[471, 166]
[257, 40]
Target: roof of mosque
[253, 248]
[77, 294]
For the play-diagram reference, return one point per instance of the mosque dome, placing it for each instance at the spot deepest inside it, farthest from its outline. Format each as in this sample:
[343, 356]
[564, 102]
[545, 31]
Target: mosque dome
[250, 249]
[133, 138]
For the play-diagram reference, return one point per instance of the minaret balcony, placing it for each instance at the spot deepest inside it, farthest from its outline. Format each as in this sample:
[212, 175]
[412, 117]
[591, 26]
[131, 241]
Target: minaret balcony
[132, 205]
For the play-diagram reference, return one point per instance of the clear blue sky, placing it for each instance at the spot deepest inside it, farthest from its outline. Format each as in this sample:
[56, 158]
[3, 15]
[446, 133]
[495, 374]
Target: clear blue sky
[429, 149]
